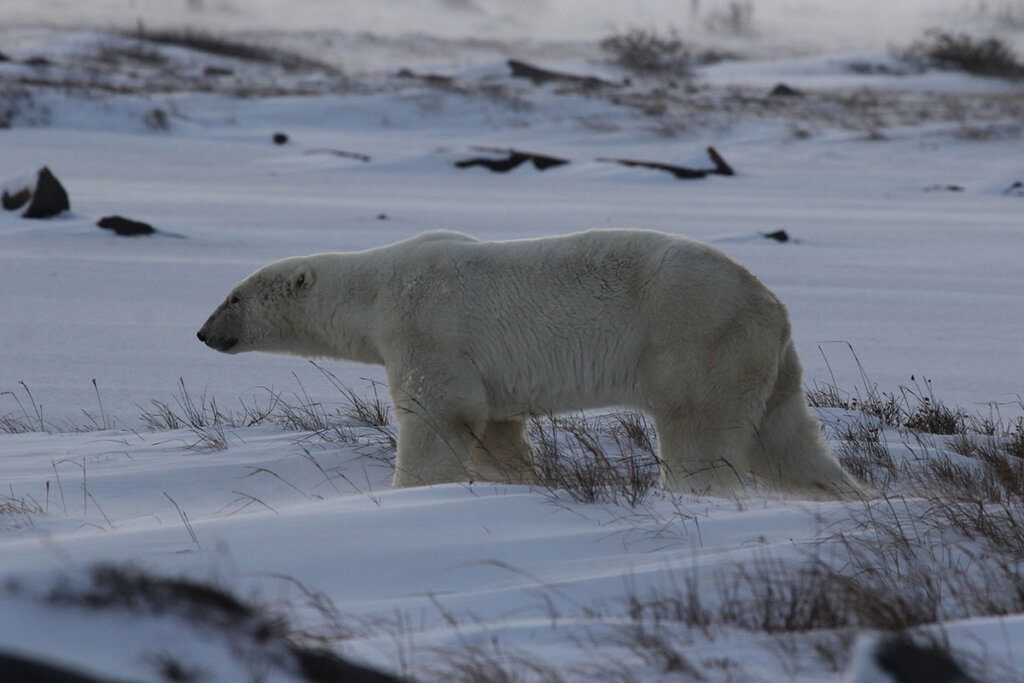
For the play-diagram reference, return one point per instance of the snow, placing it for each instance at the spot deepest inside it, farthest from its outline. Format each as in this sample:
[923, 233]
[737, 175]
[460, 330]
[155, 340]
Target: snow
[916, 281]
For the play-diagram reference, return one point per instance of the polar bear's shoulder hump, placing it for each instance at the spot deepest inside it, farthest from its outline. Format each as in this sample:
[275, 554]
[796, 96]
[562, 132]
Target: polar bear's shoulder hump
[440, 236]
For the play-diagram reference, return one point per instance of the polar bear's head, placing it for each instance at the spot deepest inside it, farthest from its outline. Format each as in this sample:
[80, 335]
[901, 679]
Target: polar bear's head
[267, 311]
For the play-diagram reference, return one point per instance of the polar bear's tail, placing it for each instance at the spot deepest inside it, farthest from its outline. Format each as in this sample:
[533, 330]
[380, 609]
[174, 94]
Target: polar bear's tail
[791, 453]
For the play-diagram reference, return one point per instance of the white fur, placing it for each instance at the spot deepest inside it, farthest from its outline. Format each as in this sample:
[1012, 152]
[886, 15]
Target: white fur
[478, 336]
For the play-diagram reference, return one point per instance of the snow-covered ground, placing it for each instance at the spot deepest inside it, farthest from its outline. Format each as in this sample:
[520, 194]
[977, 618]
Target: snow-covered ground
[918, 279]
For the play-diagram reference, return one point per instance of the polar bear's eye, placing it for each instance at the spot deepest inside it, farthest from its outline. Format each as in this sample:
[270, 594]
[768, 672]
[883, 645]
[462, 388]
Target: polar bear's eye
[235, 299]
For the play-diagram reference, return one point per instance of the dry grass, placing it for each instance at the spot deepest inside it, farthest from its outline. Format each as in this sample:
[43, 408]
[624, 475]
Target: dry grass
[606, 458]
[326, 423]
[863, 453]
[17, 512]
[29, 416]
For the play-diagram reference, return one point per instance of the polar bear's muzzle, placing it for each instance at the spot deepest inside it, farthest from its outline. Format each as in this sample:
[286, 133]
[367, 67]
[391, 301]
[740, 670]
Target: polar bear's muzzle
[216, 343]
[214, 334]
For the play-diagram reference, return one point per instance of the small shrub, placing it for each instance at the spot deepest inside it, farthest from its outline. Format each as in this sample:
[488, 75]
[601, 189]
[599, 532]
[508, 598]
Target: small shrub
[980, 56]
[648, 53]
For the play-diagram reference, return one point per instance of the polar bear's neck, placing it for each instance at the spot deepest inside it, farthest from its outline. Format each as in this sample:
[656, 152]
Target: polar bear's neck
[348, 288]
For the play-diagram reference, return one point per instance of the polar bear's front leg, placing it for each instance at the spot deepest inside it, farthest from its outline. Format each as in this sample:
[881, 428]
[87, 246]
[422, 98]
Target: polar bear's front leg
[431, 450]
[442, 415]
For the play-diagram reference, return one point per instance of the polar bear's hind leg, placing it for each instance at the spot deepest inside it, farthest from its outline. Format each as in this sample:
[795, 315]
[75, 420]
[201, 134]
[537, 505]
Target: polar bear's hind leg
[790, 453]
[706, 419]
[701, 454]
[504, 454]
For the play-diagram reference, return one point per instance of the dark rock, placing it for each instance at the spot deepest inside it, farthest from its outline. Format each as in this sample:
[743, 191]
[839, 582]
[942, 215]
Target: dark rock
[908, 662]
[721, 168]
[778, 236]
[1016, 189]
[4, 57]
[280, 138]
[49, 198]
[682, 172]
[429, 79]
[156, 119]
[16, 200]
[217, 71]
[513, 159]
[322, 665]
[25, 670]
[339, 153]
[125, 227]
[382, 216]
[38, 61]
[944, 188]
[783, 90]
[540, 76]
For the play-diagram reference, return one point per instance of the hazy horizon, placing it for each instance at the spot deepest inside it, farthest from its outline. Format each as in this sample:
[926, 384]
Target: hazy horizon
[799, 25]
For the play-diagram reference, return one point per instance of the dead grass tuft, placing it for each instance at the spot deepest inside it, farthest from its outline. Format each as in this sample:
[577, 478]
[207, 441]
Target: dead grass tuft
[925, 413]
[607, 458]
[18, 512]
[862, 452]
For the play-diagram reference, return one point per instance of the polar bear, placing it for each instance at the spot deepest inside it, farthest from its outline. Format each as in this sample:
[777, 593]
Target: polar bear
[476, 337]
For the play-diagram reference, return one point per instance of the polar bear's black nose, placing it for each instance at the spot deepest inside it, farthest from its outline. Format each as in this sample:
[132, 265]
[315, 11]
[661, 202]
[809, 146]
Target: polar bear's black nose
[201, 336]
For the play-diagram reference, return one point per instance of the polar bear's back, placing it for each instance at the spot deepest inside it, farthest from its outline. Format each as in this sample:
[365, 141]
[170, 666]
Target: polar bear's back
[601, 280]
[595, 310]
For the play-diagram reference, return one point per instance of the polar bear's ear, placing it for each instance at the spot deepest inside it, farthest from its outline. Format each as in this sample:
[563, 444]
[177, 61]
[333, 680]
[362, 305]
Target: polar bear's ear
[300, 279]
